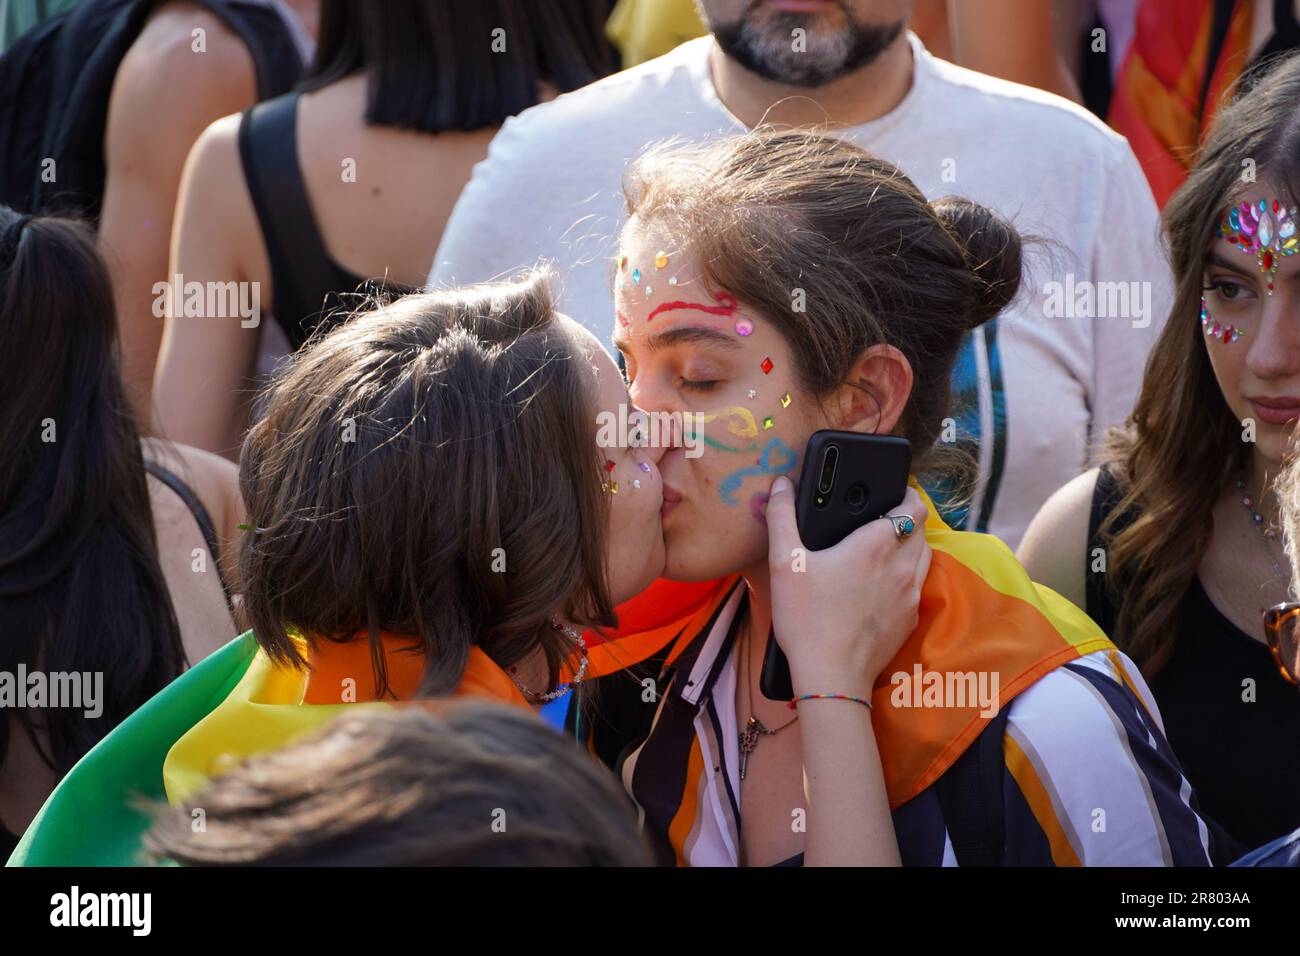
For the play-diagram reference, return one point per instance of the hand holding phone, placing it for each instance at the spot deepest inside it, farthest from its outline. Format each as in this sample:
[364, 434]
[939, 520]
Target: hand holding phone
[847, 481]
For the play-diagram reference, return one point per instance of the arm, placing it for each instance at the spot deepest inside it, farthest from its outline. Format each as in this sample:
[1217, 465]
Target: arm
[1054, 549]
[845, 637]
[1011, 39]
[164, 95]
[206, 364]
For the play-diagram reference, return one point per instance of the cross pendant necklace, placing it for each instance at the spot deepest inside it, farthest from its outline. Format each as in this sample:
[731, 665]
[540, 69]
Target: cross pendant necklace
[755, 729]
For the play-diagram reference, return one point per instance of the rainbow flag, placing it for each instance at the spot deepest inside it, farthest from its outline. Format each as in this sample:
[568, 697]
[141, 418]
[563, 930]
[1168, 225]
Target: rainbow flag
[979, 613]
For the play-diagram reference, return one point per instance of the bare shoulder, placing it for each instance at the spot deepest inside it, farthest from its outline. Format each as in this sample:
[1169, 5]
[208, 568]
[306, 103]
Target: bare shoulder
[185, 66]
[215, 480]
[1054, 548]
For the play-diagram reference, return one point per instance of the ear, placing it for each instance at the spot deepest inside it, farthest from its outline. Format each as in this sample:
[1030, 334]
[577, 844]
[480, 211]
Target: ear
[874, 392]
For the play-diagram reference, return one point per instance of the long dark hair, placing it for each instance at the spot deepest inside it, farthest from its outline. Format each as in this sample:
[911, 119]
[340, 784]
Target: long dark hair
[81, 589]
[427, 469]
[1182, 444]
[433, 65]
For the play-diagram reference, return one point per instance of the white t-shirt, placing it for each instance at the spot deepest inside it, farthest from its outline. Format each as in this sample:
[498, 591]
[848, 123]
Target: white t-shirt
[1036, 390]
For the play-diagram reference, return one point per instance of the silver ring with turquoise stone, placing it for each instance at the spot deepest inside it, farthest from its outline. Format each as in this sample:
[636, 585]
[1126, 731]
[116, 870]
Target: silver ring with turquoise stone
[904, 525]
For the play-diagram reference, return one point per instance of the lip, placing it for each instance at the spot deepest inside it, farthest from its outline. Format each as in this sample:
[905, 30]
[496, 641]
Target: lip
[672, 498]
[1276, 411]
[800, 6]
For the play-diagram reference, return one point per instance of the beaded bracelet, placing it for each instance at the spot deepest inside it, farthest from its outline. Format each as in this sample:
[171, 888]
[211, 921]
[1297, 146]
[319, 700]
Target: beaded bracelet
[859, 700]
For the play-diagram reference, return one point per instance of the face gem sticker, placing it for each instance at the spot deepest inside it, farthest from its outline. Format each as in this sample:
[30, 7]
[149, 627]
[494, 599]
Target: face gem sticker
[767, 366]
[661, 259]
[744, 326]
[785, 400]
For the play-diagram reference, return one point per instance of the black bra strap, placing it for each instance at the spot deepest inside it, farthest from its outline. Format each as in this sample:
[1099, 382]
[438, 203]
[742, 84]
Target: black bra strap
[301, 270]
[201, 516]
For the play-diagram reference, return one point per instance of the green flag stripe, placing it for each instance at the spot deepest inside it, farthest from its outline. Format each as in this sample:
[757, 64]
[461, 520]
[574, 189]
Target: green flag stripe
[91, 818]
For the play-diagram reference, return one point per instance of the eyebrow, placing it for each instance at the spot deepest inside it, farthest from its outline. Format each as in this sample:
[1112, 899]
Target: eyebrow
[1217, 260]
[683, 335]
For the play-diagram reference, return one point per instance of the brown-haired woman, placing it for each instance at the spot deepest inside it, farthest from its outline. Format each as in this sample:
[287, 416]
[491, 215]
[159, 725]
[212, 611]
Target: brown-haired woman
[463, 784]
[437, 511]
[1169, 545]
[111, 547]
[786, 282]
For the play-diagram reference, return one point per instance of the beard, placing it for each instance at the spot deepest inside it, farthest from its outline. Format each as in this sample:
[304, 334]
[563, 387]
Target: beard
[765, 45]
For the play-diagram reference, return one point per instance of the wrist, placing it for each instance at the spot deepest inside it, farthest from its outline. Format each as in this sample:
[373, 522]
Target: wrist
[831, 681]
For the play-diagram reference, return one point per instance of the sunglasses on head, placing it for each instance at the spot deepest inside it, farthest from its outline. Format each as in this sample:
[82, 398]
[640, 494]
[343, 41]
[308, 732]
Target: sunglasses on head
[1283, 633]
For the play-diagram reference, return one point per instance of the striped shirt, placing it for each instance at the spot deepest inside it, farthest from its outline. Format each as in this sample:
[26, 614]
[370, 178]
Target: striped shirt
[1089, 779]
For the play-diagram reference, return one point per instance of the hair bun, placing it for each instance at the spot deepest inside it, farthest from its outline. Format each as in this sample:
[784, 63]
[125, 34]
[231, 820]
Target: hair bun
[992, 249]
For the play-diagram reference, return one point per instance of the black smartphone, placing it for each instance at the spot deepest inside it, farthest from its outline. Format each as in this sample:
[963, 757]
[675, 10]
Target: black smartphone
[847, 480]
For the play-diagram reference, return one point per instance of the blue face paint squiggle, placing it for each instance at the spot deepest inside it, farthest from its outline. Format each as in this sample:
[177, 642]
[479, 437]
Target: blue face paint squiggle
[776, 459]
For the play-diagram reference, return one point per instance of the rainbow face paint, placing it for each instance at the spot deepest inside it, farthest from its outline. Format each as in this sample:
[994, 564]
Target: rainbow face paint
[777, 458]
[742, 425]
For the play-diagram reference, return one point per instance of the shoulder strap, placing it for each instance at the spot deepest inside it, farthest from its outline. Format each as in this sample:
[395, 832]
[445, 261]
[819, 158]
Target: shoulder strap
[1100, 603]
[201, 516]
[302, 273]
[276, 62]
[970, 797]
[1222, 19]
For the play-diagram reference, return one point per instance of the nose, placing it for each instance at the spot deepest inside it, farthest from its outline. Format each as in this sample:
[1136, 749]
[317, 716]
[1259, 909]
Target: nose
[1275, 353]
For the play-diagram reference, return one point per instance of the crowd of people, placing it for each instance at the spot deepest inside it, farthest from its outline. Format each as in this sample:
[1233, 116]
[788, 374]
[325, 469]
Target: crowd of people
[318, 312]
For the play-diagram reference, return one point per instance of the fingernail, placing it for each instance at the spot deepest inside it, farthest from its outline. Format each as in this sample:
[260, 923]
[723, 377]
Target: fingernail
[781, 486]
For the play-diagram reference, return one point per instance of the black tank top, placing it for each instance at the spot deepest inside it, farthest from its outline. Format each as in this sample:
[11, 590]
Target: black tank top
[309, 286]
[1242, 757]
